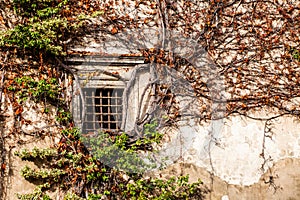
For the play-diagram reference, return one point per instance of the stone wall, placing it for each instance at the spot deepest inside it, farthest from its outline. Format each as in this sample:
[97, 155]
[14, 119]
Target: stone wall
[254, 157]
[238, 157]
[27, 137]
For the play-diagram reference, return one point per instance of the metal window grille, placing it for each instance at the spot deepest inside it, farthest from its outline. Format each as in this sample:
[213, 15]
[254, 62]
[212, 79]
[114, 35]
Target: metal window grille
[103, 109]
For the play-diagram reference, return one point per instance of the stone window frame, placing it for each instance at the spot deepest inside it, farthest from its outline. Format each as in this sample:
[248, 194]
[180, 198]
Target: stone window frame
[96, 73]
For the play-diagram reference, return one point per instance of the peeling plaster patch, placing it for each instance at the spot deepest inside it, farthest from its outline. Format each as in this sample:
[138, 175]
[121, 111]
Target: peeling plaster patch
[286, 180]
[35, 118]
[238, 160]
[234, 154]
[225, 197]
[284, 141]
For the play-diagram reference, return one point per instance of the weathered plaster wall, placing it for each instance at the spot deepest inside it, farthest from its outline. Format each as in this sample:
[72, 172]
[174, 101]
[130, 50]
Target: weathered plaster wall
[285, 184]
[240, 153]
[28, 137]
[235, 157]
[243, 150]
[237, 149]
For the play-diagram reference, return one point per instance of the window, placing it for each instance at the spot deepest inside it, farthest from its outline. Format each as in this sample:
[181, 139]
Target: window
[97, 95]
[103, 109]
[108, 108]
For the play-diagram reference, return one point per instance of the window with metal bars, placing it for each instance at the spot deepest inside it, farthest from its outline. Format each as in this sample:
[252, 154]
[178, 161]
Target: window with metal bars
[103, 109]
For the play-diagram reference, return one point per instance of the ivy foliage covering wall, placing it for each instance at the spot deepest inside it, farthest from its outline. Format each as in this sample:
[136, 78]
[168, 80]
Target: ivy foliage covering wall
[35, 43]
[253, 47]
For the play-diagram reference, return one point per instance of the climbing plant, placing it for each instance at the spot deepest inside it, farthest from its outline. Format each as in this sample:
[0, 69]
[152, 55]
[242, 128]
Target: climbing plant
[41, 35]
[72, 168]
[251, 61]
